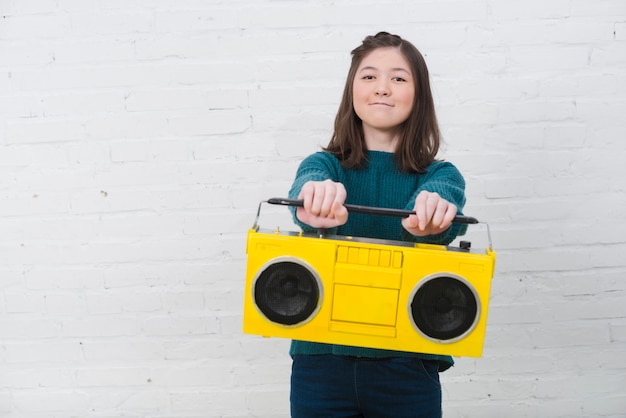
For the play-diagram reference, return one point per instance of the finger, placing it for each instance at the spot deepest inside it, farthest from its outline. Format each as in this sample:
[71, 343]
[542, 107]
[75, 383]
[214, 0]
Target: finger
[420, 210]
[330, 193]
[340, 193]
[306, 195]
[335, 196]
[449, 216]
[425, 205]
[317, 200]
[431, 207]
[439, 213]
[340, 213]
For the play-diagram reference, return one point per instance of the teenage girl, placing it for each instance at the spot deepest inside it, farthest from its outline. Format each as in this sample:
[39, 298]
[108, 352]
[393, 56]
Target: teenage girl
[382, 153]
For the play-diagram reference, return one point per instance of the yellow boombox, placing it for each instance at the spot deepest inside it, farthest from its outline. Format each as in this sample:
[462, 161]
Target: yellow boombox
[363, 292]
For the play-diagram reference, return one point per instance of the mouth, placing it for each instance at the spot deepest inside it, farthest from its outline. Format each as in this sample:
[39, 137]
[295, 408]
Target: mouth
[381, 104]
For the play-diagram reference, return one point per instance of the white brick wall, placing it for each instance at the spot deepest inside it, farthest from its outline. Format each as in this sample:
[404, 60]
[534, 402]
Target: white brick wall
[137, 137]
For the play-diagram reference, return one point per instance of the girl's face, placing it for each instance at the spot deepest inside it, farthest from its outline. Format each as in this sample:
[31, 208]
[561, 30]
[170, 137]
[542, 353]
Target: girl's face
[383, 91]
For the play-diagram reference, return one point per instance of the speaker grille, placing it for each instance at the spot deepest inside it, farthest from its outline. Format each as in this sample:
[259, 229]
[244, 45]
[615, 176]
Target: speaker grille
[444, 308]
[287, 293]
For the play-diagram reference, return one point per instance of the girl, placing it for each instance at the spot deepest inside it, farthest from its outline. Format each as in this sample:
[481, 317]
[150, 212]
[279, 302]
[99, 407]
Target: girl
[382, 153]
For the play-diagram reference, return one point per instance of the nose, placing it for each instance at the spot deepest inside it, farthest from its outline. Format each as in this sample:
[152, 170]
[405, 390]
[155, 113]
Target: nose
[382, 89]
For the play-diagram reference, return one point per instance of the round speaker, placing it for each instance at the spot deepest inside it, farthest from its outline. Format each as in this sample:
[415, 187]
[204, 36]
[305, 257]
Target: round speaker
[444, 308]
[287, 291]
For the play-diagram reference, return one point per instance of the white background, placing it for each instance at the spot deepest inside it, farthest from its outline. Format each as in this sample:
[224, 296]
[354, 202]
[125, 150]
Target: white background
[137, 138]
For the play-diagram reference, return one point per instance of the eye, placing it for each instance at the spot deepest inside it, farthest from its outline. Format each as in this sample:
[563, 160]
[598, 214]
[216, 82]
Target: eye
[399, 79]
[367, 77]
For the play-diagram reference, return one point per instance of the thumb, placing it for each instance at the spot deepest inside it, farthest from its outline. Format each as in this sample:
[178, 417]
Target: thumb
[411, 221]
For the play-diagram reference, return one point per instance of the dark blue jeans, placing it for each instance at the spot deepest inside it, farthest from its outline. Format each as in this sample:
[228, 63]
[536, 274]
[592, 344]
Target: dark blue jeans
[337, 386]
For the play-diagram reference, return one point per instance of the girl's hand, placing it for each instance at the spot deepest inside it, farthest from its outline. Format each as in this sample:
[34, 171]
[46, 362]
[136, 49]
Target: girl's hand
[323, 204]
[433, 215]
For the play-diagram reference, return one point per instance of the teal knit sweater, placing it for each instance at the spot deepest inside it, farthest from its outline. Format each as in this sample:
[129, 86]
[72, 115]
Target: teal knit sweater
[381, 184]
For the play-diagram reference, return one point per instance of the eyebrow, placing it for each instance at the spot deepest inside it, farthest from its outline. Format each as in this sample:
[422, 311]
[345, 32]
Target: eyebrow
[369, 67]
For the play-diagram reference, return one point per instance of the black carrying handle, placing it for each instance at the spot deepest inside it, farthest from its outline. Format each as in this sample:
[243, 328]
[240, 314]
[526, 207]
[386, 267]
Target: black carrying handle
[370, 210]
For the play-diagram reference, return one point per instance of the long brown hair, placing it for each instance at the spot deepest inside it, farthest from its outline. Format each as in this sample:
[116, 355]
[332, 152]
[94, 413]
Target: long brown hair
[420, 138]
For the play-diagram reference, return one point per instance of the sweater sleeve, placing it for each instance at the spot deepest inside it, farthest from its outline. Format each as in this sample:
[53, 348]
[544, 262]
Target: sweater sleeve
[446, 180]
